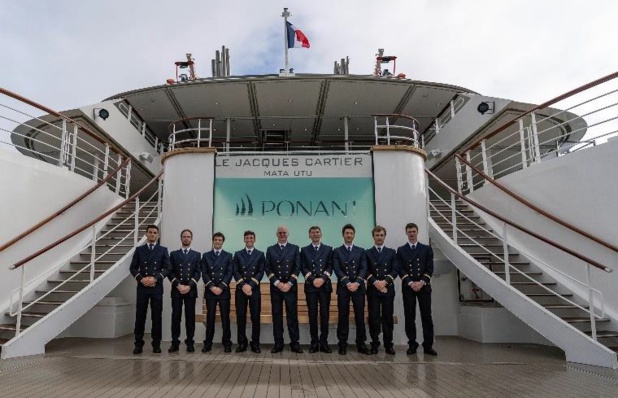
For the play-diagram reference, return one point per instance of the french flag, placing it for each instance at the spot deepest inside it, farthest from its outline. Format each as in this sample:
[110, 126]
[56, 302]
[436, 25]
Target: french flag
[296, 38]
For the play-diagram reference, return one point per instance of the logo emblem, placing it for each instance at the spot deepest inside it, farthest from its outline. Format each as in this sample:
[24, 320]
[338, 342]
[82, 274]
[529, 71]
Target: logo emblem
[244, 209]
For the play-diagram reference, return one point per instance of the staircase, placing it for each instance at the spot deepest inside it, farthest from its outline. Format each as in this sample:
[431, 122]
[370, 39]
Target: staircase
[68, 293]
[531, 295]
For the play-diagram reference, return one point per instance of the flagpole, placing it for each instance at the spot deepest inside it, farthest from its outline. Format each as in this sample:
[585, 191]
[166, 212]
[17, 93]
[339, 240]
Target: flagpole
[285, 14]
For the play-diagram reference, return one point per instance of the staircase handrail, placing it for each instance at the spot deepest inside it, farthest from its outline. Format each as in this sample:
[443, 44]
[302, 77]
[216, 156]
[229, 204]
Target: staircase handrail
[520, 227]
[535, 208]
[87, 225]
[545, 104]
[65, 208]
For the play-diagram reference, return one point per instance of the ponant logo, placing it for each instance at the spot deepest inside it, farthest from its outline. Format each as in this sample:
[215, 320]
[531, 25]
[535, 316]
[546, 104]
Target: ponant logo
[244, 209]
[296, 208]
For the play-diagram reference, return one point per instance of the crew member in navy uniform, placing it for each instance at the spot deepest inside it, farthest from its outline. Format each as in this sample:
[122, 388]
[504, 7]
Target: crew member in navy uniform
[283, 268]
[383, 269]
[248, 272]
[350, 266]
[184, 275]
[416, 269]
[149, 266]
[316, 265]
[217, 271]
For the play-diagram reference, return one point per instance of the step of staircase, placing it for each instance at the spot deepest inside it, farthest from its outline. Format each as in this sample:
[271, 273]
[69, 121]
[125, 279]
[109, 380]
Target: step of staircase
[577, 319]
[604, 334]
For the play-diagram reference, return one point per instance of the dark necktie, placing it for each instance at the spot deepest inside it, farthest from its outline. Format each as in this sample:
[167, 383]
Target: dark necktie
[217, 253]
[186, 251]
[249, 252]
[349, 249]
[413, 247]
[316, 248]
[150, 246]
[281, 246]
[379, 250]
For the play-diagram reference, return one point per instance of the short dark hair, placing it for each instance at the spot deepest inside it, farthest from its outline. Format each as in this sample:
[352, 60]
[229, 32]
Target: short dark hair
[411, 225]
[218, 234]
[311, 228]
[186, 230]
[347, 226]
[378, 228]
[247, 233]
[152, 226]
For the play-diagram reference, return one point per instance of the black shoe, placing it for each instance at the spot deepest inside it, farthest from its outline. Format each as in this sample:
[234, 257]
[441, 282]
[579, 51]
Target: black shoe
[325, 348]
[373, 350]
[314, 348]
[137, 350]
[390, 350]
[342, 351]
[190, 348]
[430, 351]
[241, 348]
[362, 349]
[255, 348]
[156, 350]
[227, 348]
[173, 348]
[411, 351]
[295, 347]
[276, 349]
[206, 348]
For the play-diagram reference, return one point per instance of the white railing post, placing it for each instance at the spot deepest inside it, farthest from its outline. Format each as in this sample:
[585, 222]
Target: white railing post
[505, 250]
[159, 197]
[118, 175]
[20, 303]
[375, 130]
[95, 171]
[437, 125]
[63, 143]
[452, 109]
[487, 169]
[228, 133]
[136, 231]
[209, 133]
[199, 132]
[522, 143]
[129, 113]
[127, 180]
[454, 217]
[173, 141]
[469, 174]
[93, 255]
[535, 138]
[74, 147]
[388, 132]
[106, 161]
[346, 132]
[459, 176]
[143, 132]
[593, 325]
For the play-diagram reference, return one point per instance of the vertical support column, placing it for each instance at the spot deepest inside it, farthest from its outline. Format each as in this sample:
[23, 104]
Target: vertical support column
[118, 175]
[535, 139]
[106, 161]
[454, 217]
[459, 176]
[469, 179]
[136, 218]
[346, 133]
[228, 133]
[593, 325]
[522, 143]
[93, 254]
[487, 169]
[401, 194]
[505, 250]
[74, 146]
[63, 141]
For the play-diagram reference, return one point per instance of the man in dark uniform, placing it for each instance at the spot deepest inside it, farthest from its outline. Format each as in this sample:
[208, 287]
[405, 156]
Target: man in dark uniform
[416, 268]
[149, 266]
[217, 270]
[283, 268]
[383, 269]
[248, 272]
[316, 265]
[184, 275]
[350, 266]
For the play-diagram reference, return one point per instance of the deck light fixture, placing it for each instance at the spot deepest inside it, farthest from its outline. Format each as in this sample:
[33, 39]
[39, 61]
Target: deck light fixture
[486, 107]
[103, 113]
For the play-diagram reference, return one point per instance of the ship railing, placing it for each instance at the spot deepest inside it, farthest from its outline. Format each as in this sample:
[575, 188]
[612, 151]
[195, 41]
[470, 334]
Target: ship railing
[153, 205]
[183, 133]
[382, 131]
[445, 117]
[59, 140]
[451, 214]
[138, 122]
[552, 129]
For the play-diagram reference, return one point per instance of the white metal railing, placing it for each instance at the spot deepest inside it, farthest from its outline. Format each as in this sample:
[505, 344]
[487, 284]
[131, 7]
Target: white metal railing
[136, 221]
[450, 216]
[57, 140]
[199, 136]
[139, 124]
[574, 122]
[413, 139]
[445, 117]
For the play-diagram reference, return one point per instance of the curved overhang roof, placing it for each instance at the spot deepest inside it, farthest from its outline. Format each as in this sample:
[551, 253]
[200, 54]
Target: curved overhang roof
[310, 107]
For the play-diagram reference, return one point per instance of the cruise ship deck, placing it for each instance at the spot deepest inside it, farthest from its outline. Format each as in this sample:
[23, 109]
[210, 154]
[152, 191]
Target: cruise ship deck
[105, 368]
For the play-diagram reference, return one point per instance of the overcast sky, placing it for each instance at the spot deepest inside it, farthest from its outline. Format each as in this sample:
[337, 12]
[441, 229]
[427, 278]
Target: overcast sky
[67, 53]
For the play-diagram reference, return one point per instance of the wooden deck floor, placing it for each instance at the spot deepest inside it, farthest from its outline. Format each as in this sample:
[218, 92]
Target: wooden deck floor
[106, 368]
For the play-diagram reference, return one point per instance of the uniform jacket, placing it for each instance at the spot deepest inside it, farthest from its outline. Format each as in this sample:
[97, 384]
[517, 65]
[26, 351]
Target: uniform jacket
[350, 267]
[217, 271]
[249, 269]
[415, 265]
[146, 262]
[283, 265]
[317, 264]
[381, 267]
[186, 270]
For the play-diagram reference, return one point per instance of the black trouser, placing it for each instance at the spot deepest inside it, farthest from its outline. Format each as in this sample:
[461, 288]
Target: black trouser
[409, 308]
[323, 298]
[343, 323]
[211, 311]
[156, 311]
[177, 303]
[255, 306]
[381, 311]
[277, 297]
